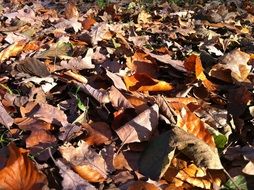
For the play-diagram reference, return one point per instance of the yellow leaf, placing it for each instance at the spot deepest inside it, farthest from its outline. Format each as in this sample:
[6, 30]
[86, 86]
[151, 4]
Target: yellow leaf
[12, 50]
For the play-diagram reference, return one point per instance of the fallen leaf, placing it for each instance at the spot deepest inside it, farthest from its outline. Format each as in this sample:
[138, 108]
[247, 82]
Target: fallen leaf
[33, 66]
[12, 50]
[141, 127]
[60, 49]
[239, 180]
[71, 10]
[142, 185]
[157, 157]
[196, 149]
[71, 180]
[88, 23]
[85, 161]
[234, 63]
[20, 172]
[189, 122]
[142, 62]
[44, 112]
[5, 118]
[249, 168]
[143, 82]
[144, 17]
[101, 96]
[98, 133]
[238, 100]
[118, 100]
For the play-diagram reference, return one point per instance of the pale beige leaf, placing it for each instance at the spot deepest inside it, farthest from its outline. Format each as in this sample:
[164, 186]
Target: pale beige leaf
[235, 62]
[71, 180]
[5, 118]
[141, 127]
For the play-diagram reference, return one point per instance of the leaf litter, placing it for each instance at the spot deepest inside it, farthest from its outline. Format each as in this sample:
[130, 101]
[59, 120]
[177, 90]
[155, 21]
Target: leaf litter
[127, 95]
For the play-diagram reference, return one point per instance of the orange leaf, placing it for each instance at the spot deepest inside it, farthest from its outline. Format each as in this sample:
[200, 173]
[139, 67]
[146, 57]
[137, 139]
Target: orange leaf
[181, 173]
[85, 161]
[141, 62]
[143, 82]
[193, 64]
[19, 172]
[12, 50]
[88, 23]
[142, 185]
[88, 173]
[98, 133]
[189, 122]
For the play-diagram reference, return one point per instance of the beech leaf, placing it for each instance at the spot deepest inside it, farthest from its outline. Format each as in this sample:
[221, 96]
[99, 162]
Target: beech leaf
[20, 172]
[141, 127]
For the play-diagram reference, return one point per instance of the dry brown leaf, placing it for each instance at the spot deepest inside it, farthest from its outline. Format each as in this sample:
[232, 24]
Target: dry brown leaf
[233, 66]
[98, 133]
[196, 149]
[88, 23]
[238, 100]
[142, 185]
[76, 76]
[12, 50]
[141, 127]
[33, 66]
[118, 100]
[143, 82]
[71, 180]
[71, 10]
[44, 112]
[5, 118]
[100, 95]
[144, 17]
[142, 62]
[85, 161]
[19, 172]
[117, 80]
[167, 59]
[193, 64]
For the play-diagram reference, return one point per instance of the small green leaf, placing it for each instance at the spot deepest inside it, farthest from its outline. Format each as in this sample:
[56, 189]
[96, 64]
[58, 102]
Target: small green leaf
[239, 180]
[81, 106]
[220, 140]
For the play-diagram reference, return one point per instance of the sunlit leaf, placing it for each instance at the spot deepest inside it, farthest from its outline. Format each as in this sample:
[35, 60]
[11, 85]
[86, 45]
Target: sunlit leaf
[20, 172]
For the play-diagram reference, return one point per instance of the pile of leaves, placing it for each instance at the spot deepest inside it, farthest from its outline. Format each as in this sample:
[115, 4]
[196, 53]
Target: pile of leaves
[126, 96]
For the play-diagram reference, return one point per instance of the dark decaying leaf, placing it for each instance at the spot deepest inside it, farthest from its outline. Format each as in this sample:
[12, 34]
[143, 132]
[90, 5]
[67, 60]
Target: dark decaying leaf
[157, 157]
[194, 148]
[33, 66]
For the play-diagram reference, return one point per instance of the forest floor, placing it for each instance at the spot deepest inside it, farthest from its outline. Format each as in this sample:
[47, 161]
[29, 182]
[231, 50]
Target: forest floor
[130, 95]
